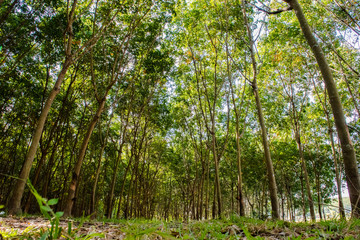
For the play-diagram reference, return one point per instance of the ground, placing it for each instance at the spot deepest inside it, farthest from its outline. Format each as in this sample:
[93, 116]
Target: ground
[233, 228]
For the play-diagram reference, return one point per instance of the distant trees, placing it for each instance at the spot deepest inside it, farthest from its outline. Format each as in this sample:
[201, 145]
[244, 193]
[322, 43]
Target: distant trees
[146, 109]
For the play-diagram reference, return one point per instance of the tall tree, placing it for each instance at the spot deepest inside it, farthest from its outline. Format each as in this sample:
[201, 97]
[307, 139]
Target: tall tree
[71, 56]
[269, 165]
[351, 170]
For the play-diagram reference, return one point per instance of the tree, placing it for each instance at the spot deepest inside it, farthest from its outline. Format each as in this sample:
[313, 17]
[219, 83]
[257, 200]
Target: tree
[70, 57]
[351, 170]
[269, 165]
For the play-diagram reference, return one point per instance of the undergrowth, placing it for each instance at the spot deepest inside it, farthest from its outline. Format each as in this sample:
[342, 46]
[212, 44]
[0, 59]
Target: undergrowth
[230, 228]
[234, 227]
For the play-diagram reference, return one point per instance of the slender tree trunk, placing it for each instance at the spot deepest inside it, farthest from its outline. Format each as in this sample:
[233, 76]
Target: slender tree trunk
[351, 168]
[14, 206]
[207, 190]
[303, 196]
[282, 206]
[240, 197]
[318, 195]
[97, 174]
[82, 151]
[269, 164]
[123, 186]
[239, 187]
[113, 182]
[217, 174]
[61, 118]
[337, 175]
[337, 172]
[202, 185]
[214, 201]
[35, 179]
[306, 175]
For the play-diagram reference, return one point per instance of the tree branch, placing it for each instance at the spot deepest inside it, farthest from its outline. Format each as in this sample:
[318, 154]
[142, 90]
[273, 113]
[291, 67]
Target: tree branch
[272, 11]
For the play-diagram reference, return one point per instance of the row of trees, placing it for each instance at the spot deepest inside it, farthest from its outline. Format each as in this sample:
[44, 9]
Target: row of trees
[179, 110]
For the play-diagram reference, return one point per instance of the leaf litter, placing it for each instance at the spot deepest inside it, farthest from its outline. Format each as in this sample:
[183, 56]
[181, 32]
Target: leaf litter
[32, 227]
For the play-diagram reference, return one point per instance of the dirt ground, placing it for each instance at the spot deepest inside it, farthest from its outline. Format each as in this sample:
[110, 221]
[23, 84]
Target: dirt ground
[34, 227]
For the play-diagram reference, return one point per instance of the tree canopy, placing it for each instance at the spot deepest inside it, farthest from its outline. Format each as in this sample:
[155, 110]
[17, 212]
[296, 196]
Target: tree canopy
[181, 109]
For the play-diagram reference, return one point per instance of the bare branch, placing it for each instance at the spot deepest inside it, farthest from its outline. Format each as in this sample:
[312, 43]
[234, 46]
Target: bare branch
[272, 11]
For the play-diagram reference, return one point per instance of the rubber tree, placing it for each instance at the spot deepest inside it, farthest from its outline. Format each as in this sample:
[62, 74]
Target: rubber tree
[14, 206]
[336, 164]
[348, 151]
[269, 165]
[72, 55]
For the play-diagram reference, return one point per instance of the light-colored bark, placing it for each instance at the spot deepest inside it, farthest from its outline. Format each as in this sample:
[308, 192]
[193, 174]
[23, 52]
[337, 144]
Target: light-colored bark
[305, 173]
[333, 151]
[269, 165]
[350, 163]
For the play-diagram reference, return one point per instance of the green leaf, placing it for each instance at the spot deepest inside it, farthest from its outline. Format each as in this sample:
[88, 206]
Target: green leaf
[45, 208]
[44, 236]
[59, 214]
[53, 201]
[69, 228]
[93, 235]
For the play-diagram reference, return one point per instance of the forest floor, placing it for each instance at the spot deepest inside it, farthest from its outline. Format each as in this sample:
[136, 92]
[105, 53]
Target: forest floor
[233, 228]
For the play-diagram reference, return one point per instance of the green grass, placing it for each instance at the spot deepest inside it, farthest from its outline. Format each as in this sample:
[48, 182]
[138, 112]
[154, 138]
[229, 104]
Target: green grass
[227, 228]
[230, 228]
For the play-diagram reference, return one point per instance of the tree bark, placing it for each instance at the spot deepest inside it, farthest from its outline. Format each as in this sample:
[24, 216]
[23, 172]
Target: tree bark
[304, 169]
[337, 172]
[14, 206]
[97, 174]
[303, 196]
[337, 175]
[350, 163]
[217, 174]
[113, 181]
[317, 175]
[269, 164]
[240, 196]
[82, 151]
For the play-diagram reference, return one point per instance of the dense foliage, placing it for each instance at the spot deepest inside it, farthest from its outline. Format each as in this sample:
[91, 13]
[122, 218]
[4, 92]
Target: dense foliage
[151, 107]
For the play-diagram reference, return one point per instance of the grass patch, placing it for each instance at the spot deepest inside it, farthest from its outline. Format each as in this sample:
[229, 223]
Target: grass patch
[230, 228]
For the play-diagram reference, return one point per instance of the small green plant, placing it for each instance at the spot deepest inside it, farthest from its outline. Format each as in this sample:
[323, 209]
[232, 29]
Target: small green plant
[55, 230]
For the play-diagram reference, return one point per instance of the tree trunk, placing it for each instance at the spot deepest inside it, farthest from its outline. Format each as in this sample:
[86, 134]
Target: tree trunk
[113, 181]
[82, 151]
[97, 174]
[217, 174]
[306, 175]
[318, 195]
[351, 168]
[14, 206]
[337, 175]
[337, 172]
[269, 164]
[303, 196]
[123, 185]
[214, 201]
[54, 130]
[207, 190]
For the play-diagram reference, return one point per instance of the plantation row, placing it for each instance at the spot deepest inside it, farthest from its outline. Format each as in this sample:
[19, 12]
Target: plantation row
[180, 110]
